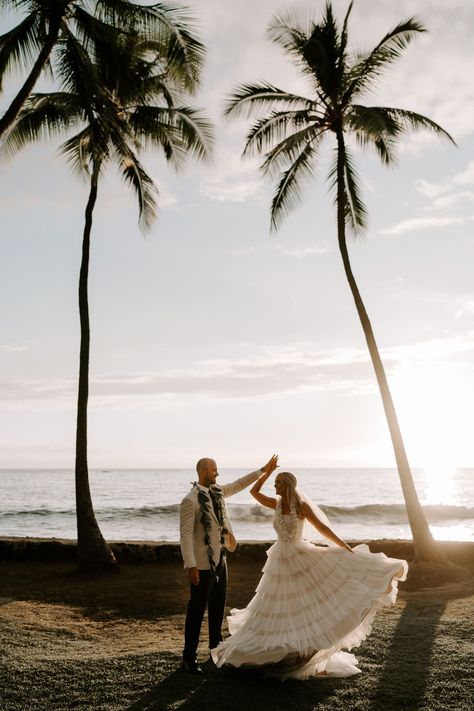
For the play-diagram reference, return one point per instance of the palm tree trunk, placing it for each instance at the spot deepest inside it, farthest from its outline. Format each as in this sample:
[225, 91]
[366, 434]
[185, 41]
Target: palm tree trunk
[425, 547]
[93, 550]
[14, 109]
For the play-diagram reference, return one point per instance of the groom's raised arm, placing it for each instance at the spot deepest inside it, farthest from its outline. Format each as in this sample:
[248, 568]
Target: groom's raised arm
[243, 482]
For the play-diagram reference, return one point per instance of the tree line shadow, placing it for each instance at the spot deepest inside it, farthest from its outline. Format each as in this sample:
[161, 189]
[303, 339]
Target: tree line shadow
[402, 681]
[232, 690]
[409, 655]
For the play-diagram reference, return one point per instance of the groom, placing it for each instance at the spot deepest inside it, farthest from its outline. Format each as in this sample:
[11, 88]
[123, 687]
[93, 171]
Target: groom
[205, 533]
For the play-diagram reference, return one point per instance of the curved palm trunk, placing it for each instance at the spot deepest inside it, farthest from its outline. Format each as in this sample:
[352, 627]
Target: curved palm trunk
[14, 109]
[93, 550]
[424, 546]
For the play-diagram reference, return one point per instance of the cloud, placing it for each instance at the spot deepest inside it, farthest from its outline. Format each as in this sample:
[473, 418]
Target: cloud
[296, 252]
[431, 190]
[442, 196]
[232, 179]
[438, 191]
[432, 349]
[303, 251]
[232, 188]
[37, 390]
[271, 372]
[467, 307]
[12, 349]
[423, 223]
[466, 177]
[449, 200]
[16, 348]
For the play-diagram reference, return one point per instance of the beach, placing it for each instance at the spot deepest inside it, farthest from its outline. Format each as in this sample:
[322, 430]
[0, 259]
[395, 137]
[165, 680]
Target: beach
[114, 642]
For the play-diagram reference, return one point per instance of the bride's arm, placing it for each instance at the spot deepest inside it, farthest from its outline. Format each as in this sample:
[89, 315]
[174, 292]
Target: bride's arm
[268, 501]
[321, 527]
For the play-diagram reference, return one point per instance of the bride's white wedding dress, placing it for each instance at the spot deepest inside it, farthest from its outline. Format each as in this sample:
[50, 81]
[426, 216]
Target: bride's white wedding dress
[311, 603]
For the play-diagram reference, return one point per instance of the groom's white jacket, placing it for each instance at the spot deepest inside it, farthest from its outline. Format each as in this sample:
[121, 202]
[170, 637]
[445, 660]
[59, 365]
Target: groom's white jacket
[192, 533]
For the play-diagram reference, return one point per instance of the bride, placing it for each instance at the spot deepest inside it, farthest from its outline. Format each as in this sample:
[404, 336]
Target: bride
[312, 602]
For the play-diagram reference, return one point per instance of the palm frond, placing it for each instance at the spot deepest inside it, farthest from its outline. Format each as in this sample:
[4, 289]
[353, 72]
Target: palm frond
[93, 33]
[344, 36]
[321, 53]
[390, 48]
[288, 192]
[42, 117]
[170, 26]
[315, 47]
[126, 14]
[75, 67]
[153, 88]
[283, 155]
[355, 211]
[248, 98]
[374, 120]
[412, 120]
[155, 126]
[79, 151]
[373, 126]
[274, 128]
[79, 76]
[19, 46]
[179, 130]
[385, 146]
[146, 192]
[196, 131]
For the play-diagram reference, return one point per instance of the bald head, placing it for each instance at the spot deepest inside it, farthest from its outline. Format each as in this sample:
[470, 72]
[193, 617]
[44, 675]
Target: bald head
[207, 471]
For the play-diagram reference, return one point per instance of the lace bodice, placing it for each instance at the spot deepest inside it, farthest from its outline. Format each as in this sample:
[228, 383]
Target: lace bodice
[289, 527]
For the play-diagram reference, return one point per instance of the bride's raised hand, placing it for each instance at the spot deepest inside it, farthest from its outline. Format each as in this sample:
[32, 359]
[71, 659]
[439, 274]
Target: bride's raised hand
[271, 465]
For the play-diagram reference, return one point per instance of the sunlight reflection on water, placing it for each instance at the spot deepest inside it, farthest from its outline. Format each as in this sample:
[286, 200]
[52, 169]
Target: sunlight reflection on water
[441, 484]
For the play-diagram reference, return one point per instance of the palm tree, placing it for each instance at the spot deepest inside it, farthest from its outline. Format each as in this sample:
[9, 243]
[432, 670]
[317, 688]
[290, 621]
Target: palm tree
[289, 135]
[121, 101]
[35, 38]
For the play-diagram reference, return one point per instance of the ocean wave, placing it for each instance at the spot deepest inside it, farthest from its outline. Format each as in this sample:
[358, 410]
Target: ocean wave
[391, 514]
[396, 513]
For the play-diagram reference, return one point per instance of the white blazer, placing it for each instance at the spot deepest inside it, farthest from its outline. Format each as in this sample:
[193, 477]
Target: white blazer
[193, 548]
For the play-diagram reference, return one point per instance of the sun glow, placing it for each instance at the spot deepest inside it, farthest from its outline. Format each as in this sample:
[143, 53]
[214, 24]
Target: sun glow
[434, 409]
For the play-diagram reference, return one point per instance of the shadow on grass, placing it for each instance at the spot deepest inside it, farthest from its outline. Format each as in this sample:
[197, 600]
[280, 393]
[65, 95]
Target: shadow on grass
[405, 673]
[404, 679]
[233, 690]
[142, 592]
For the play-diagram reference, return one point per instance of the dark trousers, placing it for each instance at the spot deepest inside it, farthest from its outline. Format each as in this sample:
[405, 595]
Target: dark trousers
[210, 593]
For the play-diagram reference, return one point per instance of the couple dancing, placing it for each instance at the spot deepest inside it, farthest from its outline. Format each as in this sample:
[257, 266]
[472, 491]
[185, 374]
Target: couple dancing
[311, 603]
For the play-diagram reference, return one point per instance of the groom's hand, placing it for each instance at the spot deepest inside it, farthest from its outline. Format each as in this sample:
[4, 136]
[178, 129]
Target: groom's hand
[193, 576]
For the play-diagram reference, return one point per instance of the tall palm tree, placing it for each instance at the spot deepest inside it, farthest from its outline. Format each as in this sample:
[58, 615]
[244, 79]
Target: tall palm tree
[289, 135]
[121, 101]
[32, 42]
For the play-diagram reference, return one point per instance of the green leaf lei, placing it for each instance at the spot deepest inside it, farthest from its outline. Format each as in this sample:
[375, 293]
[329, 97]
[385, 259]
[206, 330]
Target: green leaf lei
[205, 504]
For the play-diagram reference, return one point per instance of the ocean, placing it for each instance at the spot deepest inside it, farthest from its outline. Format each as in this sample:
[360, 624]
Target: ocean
[143, 505]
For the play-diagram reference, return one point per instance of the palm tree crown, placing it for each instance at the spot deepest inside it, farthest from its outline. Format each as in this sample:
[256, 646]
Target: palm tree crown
[37, 41]
[122, 102]
[290, 133]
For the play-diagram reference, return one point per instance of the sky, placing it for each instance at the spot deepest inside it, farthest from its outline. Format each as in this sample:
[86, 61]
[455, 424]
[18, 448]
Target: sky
[213, 337]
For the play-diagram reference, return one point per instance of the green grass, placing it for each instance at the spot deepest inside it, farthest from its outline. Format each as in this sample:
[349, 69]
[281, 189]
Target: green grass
[418, 658]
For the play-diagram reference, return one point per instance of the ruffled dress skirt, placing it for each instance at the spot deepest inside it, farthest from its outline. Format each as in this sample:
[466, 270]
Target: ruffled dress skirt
[311, 603]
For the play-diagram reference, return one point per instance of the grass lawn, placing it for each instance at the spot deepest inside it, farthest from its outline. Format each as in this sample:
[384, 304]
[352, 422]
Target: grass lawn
[114, 643]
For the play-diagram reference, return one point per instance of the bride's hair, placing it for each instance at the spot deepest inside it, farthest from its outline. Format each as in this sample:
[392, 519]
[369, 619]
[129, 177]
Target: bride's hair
[291, 483]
